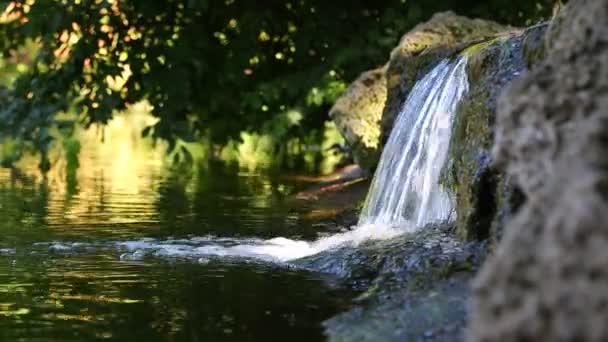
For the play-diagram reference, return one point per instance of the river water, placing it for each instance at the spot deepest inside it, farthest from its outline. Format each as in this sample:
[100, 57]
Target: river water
[62, 277]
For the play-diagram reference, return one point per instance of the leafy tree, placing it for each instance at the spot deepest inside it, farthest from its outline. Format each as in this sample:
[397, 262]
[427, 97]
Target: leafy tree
[212, 68]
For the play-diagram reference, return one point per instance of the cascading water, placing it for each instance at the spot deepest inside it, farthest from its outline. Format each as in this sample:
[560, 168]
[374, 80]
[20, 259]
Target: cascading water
[405, 191]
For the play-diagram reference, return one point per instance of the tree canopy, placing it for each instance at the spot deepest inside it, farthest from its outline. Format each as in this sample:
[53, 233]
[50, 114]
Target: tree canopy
[210, 68]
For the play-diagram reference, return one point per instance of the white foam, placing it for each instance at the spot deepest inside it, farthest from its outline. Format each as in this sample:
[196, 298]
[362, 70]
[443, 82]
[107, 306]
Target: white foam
[275, 250]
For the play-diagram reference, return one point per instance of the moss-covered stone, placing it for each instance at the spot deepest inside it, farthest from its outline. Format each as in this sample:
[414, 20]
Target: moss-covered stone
[469, 174]
[413, 285]
[534, 46]
[484, 196]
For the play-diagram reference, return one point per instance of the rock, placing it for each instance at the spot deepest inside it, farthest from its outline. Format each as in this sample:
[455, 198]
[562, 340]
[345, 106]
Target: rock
[548, 279]
[484, 197]
[413, 284]
[357, 115]
[534, 47]
[366, 111]
[138, 255]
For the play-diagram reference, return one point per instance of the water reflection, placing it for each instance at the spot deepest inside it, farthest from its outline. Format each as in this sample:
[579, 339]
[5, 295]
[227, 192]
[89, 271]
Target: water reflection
[89, 297]
[129, 193]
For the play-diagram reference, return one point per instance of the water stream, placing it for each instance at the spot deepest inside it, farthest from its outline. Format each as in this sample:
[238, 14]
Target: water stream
[405, 191]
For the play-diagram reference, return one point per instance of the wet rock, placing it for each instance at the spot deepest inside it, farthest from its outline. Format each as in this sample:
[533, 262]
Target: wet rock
[7, 251]
[534, 46]
[135, 256]
[411, 285]
[434, 314]
[482, 192]
[203, 261]
[548, 278]
[60, 248]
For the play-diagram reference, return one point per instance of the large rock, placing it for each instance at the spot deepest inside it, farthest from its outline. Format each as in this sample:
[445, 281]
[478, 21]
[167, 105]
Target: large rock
[548, 280]
[414, 287]
[357, 115]
[368, 108]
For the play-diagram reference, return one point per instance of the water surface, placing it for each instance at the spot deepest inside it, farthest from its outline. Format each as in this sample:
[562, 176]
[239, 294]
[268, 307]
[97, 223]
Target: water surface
[62, 277]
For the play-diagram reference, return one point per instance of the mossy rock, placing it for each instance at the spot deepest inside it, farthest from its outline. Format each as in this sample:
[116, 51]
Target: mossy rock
[534, 47]
[484, 196]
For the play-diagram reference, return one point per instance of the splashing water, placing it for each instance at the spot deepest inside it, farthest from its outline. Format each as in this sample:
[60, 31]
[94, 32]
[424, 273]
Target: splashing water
[273, 250]
[405, 191]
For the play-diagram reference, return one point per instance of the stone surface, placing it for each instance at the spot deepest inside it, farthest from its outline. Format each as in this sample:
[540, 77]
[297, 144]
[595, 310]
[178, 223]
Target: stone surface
[534, 46]
[415, 287]
[357, 115]
[548, 280]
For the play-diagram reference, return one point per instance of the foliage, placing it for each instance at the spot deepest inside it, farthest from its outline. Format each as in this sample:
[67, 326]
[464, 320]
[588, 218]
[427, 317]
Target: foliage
[224, 70]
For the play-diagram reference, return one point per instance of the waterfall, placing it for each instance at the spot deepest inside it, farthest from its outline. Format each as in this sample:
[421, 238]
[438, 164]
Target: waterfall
[405, 191]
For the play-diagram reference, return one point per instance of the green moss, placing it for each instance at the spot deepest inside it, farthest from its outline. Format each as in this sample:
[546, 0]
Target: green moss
[476, 48]
[470, 175]
[534, 47]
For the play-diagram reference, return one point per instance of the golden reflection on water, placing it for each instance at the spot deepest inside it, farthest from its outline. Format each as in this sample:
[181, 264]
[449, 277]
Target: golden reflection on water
[118, 176]
[119, 186]
[94, 298]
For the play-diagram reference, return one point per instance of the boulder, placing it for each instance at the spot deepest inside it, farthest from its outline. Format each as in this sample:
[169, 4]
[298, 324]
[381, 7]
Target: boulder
[548, 278]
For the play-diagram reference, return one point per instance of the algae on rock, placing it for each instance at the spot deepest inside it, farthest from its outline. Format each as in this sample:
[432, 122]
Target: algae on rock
[484, 196]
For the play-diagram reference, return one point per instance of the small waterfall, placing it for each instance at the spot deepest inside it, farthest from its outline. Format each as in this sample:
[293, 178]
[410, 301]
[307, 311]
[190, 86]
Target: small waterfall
[405, 191]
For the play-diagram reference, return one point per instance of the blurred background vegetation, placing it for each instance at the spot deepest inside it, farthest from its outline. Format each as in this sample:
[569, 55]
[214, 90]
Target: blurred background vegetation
[247, 82]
